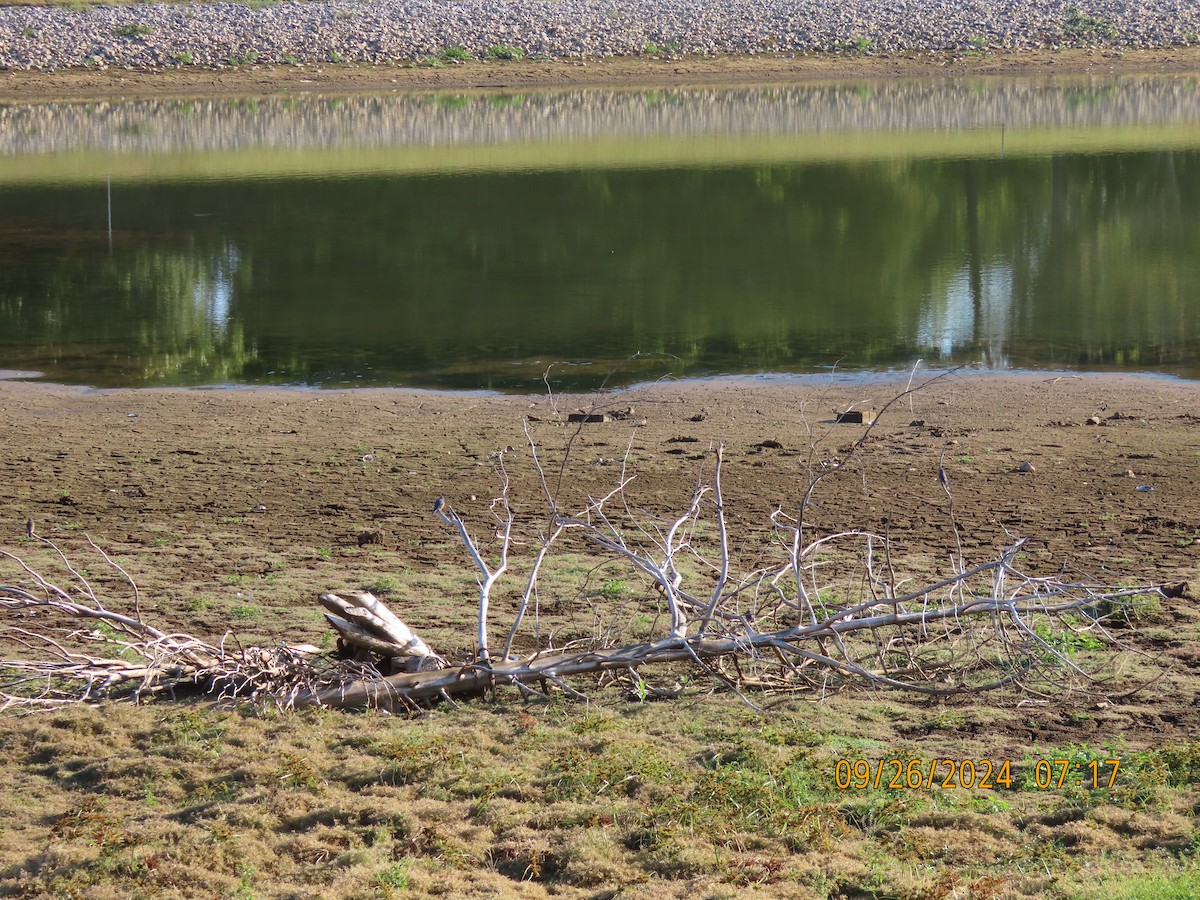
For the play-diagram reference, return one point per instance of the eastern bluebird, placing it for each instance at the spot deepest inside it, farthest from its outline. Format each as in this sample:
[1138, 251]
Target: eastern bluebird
[438, 504]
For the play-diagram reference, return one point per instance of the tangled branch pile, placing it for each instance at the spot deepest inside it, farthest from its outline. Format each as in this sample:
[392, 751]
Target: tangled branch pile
[809, 610]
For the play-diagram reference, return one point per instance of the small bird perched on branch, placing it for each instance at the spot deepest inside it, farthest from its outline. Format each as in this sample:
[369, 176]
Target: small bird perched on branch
[438, 504]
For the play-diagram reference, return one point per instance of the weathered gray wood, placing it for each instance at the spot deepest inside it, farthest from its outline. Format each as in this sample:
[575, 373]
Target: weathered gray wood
[362, 619]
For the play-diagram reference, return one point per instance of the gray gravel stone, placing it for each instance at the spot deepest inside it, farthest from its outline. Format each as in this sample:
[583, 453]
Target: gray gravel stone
[150, 35]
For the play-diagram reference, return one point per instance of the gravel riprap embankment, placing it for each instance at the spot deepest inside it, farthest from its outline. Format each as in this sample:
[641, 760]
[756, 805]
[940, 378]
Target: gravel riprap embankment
[147, 36]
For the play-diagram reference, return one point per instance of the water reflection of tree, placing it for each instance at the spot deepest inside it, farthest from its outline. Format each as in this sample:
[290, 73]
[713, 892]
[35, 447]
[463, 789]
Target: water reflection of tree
[147, 313]
[729, 268]
[184, 327]
[1071, 260]
[1115, 256]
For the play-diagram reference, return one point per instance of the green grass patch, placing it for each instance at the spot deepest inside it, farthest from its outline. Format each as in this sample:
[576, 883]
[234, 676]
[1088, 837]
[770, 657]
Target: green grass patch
[573, 797]
[1108, 773]
[652, 48]
[609, 768]
[1184, 886]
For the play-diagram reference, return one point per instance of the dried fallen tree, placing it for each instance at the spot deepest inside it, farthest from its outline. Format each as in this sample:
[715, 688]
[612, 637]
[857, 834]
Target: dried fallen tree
[776, 622]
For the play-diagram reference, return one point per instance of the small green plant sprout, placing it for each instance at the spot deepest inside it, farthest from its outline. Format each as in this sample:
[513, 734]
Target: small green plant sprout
[1125, 610]
[133, 30]
[456, 54]
[1067, 640]
[28, 32]
[505, 51]
[287, 59]
[384, 584]
[297, 771]
[245, 888]
[393, 878]
[641, 690]
[613, 588]
[977, 42]
[183, 57]
[335, 56]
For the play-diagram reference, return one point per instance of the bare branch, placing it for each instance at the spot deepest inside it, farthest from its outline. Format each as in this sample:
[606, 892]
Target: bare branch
[487, 575]
[810, 610]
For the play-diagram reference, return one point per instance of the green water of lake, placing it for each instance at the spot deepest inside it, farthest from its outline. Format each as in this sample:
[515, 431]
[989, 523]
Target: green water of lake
[472, 240]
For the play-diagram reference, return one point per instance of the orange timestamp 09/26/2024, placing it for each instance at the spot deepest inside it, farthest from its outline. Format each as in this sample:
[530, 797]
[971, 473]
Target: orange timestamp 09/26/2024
[1046, 774]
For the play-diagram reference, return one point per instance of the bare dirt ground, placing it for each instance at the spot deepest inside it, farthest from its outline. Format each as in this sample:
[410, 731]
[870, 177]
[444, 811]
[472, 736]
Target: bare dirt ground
[114, 83]
[228, 500]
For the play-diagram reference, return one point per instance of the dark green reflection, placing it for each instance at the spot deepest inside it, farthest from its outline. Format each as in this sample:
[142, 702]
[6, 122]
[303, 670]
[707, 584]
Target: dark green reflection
[481, 280]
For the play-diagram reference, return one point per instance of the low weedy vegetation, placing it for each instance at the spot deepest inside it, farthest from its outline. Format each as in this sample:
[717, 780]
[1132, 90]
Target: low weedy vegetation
[859, 795]
[653, 48]
[857, 45]
[246, 58]
[1082, 27]
[133, 31]
[505, 51]
[493, 799]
